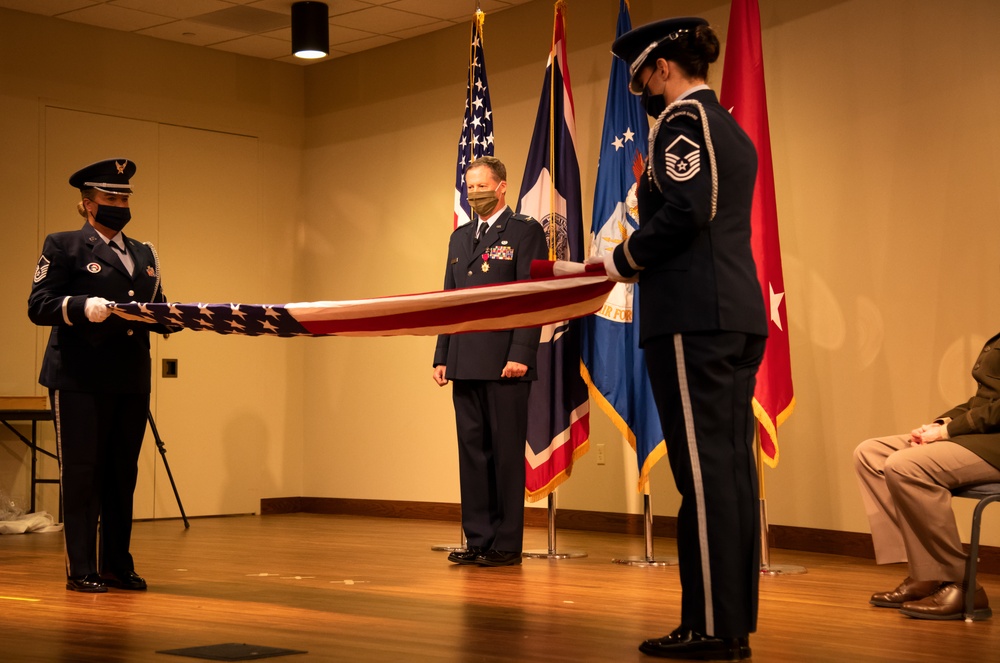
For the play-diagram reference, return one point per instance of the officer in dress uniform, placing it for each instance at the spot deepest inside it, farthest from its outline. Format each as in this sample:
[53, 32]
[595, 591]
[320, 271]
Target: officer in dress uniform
[97, 370]
[491, 371]
[702, 326]
[906, 483]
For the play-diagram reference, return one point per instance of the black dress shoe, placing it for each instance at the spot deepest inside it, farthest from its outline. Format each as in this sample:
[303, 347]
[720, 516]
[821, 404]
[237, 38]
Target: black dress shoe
[90, 584]
[689, 645]
[129, 580]
[498, 558]
[465, 556]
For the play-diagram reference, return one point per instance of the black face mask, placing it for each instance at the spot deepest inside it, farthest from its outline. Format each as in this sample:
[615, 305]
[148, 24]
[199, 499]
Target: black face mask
[113, 217]
[654, 104]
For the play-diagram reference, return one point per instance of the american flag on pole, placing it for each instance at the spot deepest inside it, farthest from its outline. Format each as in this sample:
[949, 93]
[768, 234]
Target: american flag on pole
[743, 93]
[559, 409]
[557, 291]
[477, 127]
[615, 365]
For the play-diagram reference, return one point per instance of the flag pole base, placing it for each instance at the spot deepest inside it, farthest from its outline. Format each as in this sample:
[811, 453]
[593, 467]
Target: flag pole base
[782, 570]
[647, 527]
[552, 553]
[463, 545]
[644, 561]
[766, 567]
[546, 554]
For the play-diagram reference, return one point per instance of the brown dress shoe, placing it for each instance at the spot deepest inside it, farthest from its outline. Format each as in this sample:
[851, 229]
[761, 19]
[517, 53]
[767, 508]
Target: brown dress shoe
[908, 590]
[948, 603]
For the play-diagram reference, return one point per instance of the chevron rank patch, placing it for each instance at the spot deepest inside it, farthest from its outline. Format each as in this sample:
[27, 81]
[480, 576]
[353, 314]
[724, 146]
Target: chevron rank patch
[683, 159]
[42, 270]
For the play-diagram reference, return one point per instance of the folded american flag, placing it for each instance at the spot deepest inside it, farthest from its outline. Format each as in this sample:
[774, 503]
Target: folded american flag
[557, 290]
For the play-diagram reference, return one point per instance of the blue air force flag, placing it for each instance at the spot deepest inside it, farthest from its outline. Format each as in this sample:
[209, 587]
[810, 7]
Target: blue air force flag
[614, 364]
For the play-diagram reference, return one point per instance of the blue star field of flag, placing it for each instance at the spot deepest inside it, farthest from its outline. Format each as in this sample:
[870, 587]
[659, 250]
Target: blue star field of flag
[242, 319]
[477, 127]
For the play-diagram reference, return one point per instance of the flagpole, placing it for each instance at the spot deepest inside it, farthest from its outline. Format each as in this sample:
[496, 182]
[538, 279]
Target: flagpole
[552, 552]
[480, 19]
[766, 568]
[647, 526]
[553, 235]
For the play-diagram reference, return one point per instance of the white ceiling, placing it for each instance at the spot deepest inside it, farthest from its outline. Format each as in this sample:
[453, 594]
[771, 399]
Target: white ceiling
[262, 28]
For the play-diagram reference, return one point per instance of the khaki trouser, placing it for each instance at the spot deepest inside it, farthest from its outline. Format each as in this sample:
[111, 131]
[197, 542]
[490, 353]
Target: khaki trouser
[907, 494]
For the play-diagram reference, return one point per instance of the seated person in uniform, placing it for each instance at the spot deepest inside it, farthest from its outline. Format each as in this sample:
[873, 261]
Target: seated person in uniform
[906, 483]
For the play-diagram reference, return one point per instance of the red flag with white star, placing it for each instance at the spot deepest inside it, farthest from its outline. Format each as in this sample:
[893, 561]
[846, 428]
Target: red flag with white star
[743, 94]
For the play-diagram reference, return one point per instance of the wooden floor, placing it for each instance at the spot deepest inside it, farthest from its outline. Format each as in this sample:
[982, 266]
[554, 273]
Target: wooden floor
[349, 588]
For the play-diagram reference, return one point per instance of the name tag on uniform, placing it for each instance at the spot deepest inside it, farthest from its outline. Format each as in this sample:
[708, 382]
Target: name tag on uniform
[501, 253]
[453, 261]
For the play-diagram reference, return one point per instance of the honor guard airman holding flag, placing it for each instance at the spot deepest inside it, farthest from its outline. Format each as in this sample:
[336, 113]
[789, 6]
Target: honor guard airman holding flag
[97, 370]
[702, 326]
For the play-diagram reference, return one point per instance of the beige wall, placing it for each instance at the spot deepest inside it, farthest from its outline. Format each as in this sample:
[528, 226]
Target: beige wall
[232, 429]
[884, 136]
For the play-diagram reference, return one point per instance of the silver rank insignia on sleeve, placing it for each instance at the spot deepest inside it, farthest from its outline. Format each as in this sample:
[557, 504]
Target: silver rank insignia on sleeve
[683, 159]
[42, 270]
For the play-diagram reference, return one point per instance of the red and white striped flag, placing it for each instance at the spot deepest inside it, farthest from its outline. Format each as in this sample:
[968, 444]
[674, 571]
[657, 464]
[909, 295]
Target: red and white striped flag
[557, 291]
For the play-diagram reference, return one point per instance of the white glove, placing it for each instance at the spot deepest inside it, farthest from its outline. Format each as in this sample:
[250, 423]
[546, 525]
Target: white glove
[96, 309]
[612, 270]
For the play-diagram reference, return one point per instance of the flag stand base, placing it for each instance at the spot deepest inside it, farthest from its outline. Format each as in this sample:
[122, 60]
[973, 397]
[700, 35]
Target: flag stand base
[766, 568]
[782, 570]
[166, 466]
[647, 526]
[644, 561]
[551, 553]
[461, 547]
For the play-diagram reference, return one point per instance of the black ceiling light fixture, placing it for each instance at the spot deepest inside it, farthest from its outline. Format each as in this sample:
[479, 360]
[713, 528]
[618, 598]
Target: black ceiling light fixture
[310, 30]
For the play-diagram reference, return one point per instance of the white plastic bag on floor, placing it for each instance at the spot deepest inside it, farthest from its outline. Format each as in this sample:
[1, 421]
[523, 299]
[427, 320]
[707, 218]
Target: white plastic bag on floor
[30, 522]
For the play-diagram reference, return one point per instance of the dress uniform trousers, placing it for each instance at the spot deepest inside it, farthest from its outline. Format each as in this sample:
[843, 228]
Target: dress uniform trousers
[703, 384]
[491, 419]
[98, 438]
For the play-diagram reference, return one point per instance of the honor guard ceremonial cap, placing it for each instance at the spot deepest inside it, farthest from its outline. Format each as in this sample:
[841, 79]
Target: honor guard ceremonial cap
[636, 45]
[109, 176]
